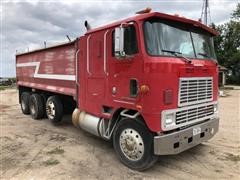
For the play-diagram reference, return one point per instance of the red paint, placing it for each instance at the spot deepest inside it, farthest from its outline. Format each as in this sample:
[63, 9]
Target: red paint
[159, 74]
[55, 60]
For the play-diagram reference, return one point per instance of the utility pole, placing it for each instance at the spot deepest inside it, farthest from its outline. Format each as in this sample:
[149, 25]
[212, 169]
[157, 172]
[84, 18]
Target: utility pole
[205, 16]
[205, 12]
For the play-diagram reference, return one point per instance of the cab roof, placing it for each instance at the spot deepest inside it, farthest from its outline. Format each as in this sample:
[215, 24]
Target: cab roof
[144, 16]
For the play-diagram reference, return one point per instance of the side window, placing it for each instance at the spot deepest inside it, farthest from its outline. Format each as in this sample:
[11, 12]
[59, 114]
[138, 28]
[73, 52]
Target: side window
[130, 41]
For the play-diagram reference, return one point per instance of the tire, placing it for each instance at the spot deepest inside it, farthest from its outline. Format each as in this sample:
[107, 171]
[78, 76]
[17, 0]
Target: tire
[36, 106]
[25, 102]
[44, 99]
[142, 141]
[54, 109]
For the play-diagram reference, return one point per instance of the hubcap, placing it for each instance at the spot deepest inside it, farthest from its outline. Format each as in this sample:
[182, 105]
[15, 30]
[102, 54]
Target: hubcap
[51, 110]
[131, 144]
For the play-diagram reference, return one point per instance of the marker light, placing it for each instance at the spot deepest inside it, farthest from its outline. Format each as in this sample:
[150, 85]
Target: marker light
[147, 10]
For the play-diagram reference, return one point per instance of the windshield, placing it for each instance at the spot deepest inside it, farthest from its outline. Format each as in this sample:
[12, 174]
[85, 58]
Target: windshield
[164, 38]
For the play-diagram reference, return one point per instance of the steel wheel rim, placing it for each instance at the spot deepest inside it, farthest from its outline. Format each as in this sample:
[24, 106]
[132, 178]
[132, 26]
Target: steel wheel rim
[131, 144]
[51, 110]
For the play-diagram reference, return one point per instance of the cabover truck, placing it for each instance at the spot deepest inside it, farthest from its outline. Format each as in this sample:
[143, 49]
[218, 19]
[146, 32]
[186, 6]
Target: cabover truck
[148, 83]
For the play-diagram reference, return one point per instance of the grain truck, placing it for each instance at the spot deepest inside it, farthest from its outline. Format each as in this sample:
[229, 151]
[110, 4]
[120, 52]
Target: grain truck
[148, 84]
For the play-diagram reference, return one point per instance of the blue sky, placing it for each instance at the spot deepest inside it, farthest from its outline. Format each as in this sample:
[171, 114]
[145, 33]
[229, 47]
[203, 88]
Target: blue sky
[28, 23]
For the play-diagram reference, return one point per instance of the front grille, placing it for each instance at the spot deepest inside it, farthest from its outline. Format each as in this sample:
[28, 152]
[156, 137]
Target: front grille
[195, 113]
[195, 90]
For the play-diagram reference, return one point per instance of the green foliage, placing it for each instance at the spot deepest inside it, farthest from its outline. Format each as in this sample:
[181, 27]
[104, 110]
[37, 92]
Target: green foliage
[51, 162]
[57, 150]
[227, 46]
[2, 88]
[236, 13]
[13, 80]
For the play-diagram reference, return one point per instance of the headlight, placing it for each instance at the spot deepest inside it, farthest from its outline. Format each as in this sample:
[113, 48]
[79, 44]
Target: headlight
[169, 119]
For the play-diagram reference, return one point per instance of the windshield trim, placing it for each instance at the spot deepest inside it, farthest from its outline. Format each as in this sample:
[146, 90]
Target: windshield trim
[194, 50]
[172, 56]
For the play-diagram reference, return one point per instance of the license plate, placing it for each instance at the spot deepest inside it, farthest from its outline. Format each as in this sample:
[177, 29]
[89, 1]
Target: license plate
[196, 130]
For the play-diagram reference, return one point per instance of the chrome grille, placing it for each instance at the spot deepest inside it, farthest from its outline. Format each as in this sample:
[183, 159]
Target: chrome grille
[195, 90]
[192, 114]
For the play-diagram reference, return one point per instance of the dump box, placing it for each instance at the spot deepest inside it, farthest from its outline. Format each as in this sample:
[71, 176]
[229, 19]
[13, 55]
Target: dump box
[50, 69]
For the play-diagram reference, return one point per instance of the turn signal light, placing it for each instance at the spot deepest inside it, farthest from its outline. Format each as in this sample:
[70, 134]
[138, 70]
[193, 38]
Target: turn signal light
[144, 89]
[139, 107]
[168, 96]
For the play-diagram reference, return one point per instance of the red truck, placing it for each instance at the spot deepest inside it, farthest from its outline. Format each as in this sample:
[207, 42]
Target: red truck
[148, 83]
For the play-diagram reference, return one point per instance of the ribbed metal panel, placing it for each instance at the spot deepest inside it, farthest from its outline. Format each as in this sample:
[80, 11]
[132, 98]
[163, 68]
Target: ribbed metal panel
[200, 112]
[195, 90]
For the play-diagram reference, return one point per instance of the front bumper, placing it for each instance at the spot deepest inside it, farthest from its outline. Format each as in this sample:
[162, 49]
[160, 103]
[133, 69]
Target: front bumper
[182, 140]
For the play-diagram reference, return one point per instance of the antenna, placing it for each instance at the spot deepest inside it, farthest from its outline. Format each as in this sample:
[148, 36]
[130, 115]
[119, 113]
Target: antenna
[68, 38]
[205, 15]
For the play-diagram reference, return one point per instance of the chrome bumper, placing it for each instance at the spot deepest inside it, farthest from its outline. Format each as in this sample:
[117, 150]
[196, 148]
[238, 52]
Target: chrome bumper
[182, 140]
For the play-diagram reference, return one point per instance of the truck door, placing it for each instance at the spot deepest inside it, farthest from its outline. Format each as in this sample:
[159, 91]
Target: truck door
[96, 69]
[125, 74]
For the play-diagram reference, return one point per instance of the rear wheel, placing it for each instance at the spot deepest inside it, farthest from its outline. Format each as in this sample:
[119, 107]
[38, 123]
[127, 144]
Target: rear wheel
[44, 99]
[54, 109]
[36, 106]
[133, 144]
[25, 102]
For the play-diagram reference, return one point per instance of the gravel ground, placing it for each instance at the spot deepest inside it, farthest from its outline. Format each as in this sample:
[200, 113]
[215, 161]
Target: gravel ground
[35, 149]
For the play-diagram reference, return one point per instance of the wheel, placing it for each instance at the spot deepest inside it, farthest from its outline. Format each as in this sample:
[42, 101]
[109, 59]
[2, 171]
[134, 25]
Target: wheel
[54, 109]
[133, 144]
[44, 99]
[25, 102]
[36, 106]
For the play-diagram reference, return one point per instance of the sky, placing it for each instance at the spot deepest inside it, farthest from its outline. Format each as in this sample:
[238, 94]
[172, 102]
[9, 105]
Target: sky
[26, 24]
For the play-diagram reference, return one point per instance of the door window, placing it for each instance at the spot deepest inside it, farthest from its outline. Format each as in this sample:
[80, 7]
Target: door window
[130, 41]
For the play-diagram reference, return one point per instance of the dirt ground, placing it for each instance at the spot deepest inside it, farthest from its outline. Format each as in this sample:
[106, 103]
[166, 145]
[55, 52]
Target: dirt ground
[35, 149]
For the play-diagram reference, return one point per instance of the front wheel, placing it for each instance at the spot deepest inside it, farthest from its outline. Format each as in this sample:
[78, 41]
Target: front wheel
[133, 144]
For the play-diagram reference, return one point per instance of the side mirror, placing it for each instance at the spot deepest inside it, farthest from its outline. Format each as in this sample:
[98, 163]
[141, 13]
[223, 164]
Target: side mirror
[119, 42]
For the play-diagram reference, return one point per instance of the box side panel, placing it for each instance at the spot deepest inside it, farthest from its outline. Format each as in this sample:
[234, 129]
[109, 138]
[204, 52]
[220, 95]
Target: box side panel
[51, 69]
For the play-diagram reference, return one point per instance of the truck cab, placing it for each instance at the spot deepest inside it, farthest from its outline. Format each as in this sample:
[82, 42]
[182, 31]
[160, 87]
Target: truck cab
[153, 72]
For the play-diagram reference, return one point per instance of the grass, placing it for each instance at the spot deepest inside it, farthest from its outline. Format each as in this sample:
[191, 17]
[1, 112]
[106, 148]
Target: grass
[57, 150]
[51, 162]
[2, 88]
[5, 87]
[232, 157]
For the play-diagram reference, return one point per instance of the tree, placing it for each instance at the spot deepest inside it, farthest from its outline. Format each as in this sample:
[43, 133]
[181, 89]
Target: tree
[227, 46]
[236, 13]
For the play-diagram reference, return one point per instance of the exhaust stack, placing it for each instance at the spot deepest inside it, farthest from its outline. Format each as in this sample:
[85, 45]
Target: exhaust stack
[87, 25]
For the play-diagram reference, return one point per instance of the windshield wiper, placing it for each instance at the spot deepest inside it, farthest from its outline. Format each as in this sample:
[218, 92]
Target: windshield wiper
[207, 56]
[175, 53]
[204, 55]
